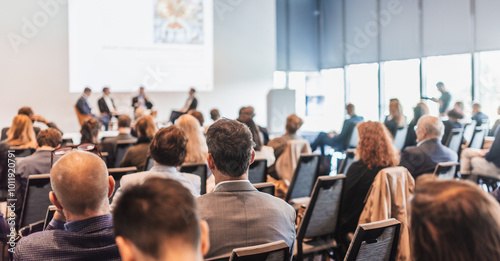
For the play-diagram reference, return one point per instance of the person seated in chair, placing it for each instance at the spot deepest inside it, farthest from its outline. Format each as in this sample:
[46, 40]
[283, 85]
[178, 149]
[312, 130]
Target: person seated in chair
[477, 115]
[34, 118]
[109, 144]
[83, 105]
[482, 162]
[429, 151]
[338, 142]
[106, 107]
[453, 122]
[141, 100]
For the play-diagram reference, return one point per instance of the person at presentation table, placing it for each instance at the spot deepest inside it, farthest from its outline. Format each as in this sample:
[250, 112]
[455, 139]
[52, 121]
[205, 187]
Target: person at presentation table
[191, 103]
[106, 107]
[141, 100]
[83, 105]
[444, 100]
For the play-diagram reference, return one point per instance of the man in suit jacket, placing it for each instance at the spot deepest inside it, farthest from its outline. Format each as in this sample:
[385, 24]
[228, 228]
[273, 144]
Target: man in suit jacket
[34, 118]
[238, 215]
[82, 104]
[477, 115]
[82, 227]
[424, 157]
[141, 100]
[106, 107]
[335, 140]
[263, 132]
[109, 144]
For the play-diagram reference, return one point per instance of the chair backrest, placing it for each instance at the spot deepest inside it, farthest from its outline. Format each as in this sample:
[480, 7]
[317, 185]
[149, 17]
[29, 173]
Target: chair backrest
[199, 169]
[36, 199]
[287, 162]
[375, 241]
[81, 117]
[478, 138]
[266, 187]
[22, 152]
[275, 251]
[353, 139]
[347, 161]
[304, 177]
[454, 141]
[400, 137]
[150, 162]
[51, 210]
[257, 172]
[446, 170]
[121, 148]
[469, 130]
[320, 217]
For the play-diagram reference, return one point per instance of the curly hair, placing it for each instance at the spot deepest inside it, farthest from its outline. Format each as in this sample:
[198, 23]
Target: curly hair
[375, 146]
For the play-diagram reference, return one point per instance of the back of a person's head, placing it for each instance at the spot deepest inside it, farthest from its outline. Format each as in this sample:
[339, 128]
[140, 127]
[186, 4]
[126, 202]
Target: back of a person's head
[198, 115]
[433, 126]
[395, 109]
[196, 146]
[80, 181]
[454, 220]
[26, 111]
[124, 121]
[230, 144]
[49, 137]
[375, 145]
[293, 124]
[87, 90]
[455, 114]
[247, 120]
[249, 110]
[90, 130]
[168, 146]
[160, 218]
[350, 109]
[145, 127]
[214, 114]
[21, 132]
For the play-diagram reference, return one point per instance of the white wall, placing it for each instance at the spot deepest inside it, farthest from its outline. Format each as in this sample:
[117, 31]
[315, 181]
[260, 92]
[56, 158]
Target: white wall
[37, 75]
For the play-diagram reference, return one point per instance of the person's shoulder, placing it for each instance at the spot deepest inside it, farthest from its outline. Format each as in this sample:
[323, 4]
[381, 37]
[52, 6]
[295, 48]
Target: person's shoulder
[133, 178]
[34, 241]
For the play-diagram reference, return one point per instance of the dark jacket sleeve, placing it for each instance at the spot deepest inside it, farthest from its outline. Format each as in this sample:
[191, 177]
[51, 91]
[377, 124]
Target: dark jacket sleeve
[494, 154]
[149, 105]
[346, 131]
[134, 100]
[102, 105]
[407, 161]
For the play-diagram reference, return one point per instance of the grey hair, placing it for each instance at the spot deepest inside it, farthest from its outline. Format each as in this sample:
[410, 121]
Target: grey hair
[433, 126]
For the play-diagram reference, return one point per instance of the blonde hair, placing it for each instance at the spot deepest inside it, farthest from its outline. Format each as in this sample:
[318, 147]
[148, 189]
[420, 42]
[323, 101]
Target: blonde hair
[145, 127]
[21, 132]
[396, 112]
[197, 150]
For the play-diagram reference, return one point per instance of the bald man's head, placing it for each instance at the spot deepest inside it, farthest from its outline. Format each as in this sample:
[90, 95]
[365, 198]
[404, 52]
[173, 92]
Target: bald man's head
[429, 127]
[80, 181]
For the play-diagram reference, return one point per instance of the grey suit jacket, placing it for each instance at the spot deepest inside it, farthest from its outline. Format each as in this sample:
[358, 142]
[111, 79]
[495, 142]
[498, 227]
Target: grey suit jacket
[239, 215]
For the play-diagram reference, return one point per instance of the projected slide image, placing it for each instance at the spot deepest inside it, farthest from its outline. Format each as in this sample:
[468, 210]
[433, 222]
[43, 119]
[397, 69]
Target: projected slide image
[178, 22]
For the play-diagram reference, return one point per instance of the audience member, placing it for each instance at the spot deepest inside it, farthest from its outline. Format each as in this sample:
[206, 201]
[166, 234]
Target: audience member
[482, 162]
[106, 107]
[141, 100]
[261, 151]
[34, 118]
[199, 116]
[444, 100]
[477, 115]
[137, 154]
[82, 225]
[459, 106]
[453, 122]
[411, 137]
[429, 151]
[196, 147]
[496, 126]
[340, 141]
[293, 124]
[83, 105]
[109, 144]
[214, 115]
[235, 204]
[159, 220]
[191, 103]
[21, 133]
[454, 220]
[168, 150]
[90, 131]
[263, 133]
[396, 118]
[375, 151]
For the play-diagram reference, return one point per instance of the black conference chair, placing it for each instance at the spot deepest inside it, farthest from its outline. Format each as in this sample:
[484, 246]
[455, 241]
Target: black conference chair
[303, 178]
[150, 162]
[257, 173]
[317, 228]
[22, 152]
[266, 187]
[446, 170]
[400, 137]
[275, 251]
[36, 199]
[376, 241]
[199, 169]
[454, 141]
[469, 131]
[347, 161]
[121, 148]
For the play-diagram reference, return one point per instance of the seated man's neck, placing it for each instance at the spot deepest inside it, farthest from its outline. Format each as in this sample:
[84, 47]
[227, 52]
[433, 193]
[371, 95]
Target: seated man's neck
[103, 210]
[124, 130]
[45, 147]
[221, 177]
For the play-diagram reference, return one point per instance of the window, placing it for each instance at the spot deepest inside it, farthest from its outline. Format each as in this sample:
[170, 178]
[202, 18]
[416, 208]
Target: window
[362, 89]
[488, 84]
[455, 72]
[402, 81]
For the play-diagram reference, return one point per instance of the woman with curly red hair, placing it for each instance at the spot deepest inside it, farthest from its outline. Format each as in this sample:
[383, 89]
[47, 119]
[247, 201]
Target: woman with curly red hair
[375, 151]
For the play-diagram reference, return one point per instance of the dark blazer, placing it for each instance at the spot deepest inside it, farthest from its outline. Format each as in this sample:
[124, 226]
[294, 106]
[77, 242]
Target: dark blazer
[391, 125]
[265, 134]
[88, 239]
[424, 158]
[193, 105]
[109, 145]
[494, 154]
[136, 155]
[83, 106]
[239, 215]
[479, 118]
[103, 107]
[347, 128]
[149, 105]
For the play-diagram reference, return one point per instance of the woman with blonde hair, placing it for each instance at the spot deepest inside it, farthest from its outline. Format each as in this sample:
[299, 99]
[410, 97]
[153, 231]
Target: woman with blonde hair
[396, 118]
[137, 154]
[21, 133]
[375, 151]
[454, 220]
[197, 150]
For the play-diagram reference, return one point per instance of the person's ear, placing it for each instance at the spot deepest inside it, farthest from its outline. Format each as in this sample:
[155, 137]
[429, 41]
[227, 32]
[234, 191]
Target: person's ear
[210, 161]
[111, 186]
[54, 200]
[205, 237]
[125, 248]
[253, 156]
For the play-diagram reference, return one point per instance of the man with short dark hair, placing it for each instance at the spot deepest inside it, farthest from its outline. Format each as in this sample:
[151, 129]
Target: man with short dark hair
[141, 100]
[478, 115]
[109, 144]
[83, 105]
[106, 107]
[159, 220]
[82, 227]
[263, 132]
[238, 214]
[444, 100]
[34, 118]
[168, 149]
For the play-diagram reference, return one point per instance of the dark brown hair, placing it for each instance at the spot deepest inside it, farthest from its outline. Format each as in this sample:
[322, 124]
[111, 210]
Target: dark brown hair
[169, 146]
[145, 127]
[49, 137]
[124, 121]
